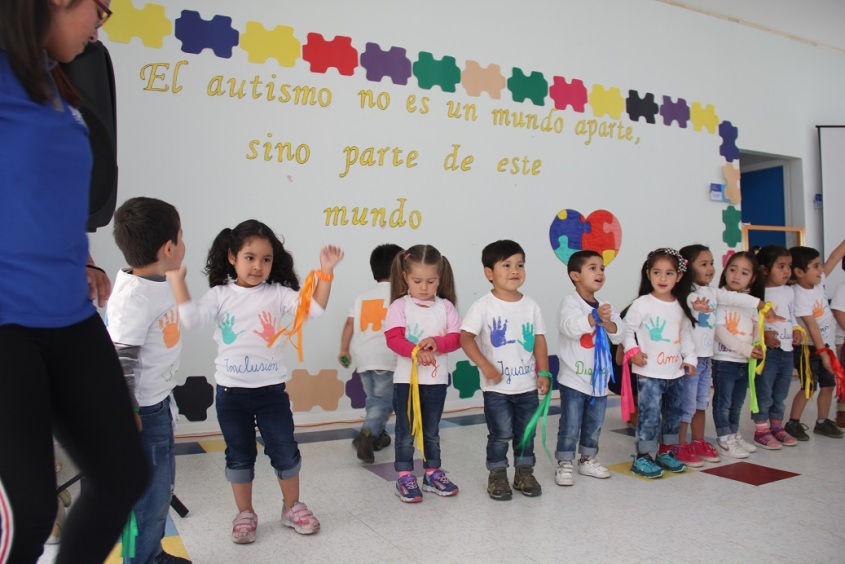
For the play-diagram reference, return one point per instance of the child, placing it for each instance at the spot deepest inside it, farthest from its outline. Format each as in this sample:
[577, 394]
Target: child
[364, 330]
[813, 313]
[421, 321]
[837, 306]
[509, 366]
[772, 384]
[658, 336]
[583, 392]
[736, 332]
[703, 300]
[143, 323]
[253, 284]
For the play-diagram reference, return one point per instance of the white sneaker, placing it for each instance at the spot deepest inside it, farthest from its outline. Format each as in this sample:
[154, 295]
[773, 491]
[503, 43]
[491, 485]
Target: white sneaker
[591, 467]
[745, 444]
[732, 448]
[563, 473]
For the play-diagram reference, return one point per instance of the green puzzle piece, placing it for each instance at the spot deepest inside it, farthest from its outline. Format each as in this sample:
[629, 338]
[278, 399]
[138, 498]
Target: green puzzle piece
[732, 234]
[466, 379]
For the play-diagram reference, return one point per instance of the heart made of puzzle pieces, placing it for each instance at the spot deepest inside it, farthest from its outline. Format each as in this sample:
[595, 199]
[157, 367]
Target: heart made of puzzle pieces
[571, 232]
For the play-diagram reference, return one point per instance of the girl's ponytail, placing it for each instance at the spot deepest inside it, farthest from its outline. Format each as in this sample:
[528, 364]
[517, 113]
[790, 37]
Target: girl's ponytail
[446, 289]
[398, 286]
[217, 265]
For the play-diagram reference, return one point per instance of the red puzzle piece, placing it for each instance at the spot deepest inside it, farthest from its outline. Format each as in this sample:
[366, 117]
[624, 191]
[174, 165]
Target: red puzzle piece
[338, 53]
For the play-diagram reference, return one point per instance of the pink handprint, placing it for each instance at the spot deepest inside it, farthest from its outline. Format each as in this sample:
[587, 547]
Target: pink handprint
[268, 326]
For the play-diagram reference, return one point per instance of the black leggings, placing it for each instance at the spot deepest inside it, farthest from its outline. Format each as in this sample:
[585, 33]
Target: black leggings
[66, 382]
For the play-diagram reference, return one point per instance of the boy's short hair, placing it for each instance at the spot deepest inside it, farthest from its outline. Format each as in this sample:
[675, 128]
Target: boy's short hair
[579, 259]
[142, 226]
[802, 257]
[500, 250]
[382, 258]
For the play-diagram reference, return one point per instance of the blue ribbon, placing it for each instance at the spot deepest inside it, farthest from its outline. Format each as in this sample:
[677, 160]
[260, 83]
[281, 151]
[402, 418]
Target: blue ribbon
[602, 360]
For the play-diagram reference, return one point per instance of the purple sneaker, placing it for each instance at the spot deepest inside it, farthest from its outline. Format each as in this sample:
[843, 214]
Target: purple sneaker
[408, 490]
[438, 483]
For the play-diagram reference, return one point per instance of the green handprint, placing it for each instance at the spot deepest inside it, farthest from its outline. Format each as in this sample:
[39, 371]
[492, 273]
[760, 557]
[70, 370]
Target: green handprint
[528, 335]
[227, 329]
[414, 335]
[656, 330]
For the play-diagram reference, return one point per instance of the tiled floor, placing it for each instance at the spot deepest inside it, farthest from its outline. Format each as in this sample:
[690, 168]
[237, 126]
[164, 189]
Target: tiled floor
[781, 506]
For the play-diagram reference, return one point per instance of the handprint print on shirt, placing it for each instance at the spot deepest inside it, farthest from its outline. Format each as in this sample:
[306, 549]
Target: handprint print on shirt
[704, 320]
[414, 335]
[498, 333]
[818, 309]
[732, 324]
[528, 335]
[268, 326]
[227, 329]
[169, 325]
[655, 332]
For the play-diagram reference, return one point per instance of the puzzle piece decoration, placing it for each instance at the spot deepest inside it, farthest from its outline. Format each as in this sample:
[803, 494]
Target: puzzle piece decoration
[262, 44]
[355, 391]
[467, 379]
[148, 23]
[197, 34]
[565, 93]
[570, 232]
[726, 256]
[194, 397]
[436, 72]
[477, 79]
[606, 101]
[373, 314]
[337, 53]
[704, 117]
[393, 63]
[534, 87]
[728, 133]
[307, 391]
[675, 111]
[732, 191]
[644, 107]
[732, 234]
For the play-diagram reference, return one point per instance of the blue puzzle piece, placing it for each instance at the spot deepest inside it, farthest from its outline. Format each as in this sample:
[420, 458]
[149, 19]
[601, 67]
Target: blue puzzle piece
[728, 133]
[197, 34]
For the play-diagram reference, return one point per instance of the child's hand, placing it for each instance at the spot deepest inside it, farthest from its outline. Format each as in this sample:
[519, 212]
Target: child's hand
[639, 359]
[345, 359]
[689, 369]
[543, 385]
[428, 344]
[771, 339]
[604, 313]
[491, 374]
[773, 317]
[826, 362]
[426, 358]
[757, 352]
[178, 274]
[701, 304]
[330, 256]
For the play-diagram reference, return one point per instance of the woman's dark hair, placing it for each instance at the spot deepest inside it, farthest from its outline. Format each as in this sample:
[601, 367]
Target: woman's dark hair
[682, 288]
[754, 288]
[428, 255]
[220, 271]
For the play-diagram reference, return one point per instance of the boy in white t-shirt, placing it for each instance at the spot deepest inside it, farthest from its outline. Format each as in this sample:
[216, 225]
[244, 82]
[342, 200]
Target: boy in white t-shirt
[362, 341]
[143, 322]
[504, 335]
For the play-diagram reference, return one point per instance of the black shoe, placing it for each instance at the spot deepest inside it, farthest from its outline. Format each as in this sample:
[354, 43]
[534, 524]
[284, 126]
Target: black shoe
[797, 430]
[524, 481]
[382, 441]
[497, 485]
[827, 428]
[363, 442]
[165, 558]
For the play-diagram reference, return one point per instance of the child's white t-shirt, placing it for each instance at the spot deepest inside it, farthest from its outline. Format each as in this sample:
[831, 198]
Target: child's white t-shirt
[813, 302]
[838, 303]
[702, 333]
[782, 298]
[577, 342]
[246, 319]
[368, 348]
[662, 331]
[504, 332]
[143, 313]
[736, 331]
[438, 319]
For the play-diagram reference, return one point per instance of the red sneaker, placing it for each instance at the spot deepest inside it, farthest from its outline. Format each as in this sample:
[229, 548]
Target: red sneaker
[684, 453]
[705, 451]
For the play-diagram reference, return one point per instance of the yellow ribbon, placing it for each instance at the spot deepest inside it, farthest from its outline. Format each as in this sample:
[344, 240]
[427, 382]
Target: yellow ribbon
[415, 415]
[301, 316]
[761, 331]
[804, 362]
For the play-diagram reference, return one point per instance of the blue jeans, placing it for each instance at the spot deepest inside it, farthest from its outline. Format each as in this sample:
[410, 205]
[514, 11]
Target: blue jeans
[432, 398]
[151, 510]
[772, 385]
[507, 417]
[658, 398]
[238, 412]
[378, 385]
[730, 384]
[697, 389]
[581, 415]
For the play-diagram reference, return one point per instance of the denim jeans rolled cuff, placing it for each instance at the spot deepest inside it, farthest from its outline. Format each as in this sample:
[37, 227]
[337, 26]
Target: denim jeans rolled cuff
[581, 420]
[240, 475]
[658, 399]
[378, 386]
[772, 385]
[432, 399]
[730, 385]
[507, 417]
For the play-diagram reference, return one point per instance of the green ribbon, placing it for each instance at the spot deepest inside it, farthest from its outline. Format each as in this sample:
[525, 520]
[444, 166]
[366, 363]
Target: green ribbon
[130, 533]
[752, 373]
[542, 411]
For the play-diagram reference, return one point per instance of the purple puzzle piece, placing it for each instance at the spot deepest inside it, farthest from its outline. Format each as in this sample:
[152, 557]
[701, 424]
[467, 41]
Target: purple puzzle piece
[675, 111]
[728, 133]
[197, 34]
[355, 391]
[641, 107]
[393, 63]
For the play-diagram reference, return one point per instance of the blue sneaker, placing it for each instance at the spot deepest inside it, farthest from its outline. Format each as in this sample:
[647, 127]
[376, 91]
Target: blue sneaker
[644, 466]
[408, 490]
[438, 483]
[668, 461]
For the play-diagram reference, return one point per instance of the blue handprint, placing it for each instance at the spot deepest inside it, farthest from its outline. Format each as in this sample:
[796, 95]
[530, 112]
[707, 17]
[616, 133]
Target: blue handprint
[414, 335]
[227, 329]
[498, 333]
[656, 330]
[704, 319]
[528, 335]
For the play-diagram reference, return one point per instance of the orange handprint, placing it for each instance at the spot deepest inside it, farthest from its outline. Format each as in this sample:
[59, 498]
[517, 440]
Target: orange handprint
[732, 323]
[268, 326]
[773, 317]
[169, 325]
[818, 309]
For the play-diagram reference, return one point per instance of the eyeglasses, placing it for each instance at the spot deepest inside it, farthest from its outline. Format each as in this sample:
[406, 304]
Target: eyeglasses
[103, 12]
